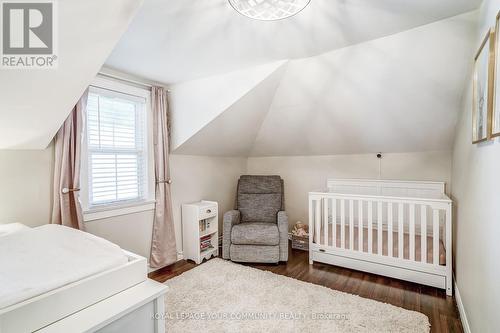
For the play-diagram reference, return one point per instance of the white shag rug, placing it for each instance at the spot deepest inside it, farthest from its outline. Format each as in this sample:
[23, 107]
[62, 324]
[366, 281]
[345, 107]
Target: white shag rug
[221, 296]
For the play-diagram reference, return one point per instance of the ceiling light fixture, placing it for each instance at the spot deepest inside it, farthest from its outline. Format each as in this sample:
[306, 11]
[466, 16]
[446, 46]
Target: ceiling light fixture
[268, 10]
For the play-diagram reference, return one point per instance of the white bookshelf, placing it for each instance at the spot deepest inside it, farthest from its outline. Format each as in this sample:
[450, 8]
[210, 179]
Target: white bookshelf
[200, 224]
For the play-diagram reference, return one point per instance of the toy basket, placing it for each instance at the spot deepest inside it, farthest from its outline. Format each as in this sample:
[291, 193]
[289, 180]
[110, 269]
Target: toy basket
[300, 242]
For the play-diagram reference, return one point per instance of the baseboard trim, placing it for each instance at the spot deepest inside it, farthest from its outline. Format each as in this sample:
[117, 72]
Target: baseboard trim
[461, 308]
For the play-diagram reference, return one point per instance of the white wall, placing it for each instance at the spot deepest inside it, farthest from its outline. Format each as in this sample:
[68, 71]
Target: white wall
[476, 184]
[131, 232]
[194, 178]
[203, 177]
[215, 178]
[26, 190]
[306, 173]
[26, 194]
[26, 186]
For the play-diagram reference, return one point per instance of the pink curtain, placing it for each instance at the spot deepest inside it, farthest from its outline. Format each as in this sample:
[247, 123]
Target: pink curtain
[163, 247]
[66, 209]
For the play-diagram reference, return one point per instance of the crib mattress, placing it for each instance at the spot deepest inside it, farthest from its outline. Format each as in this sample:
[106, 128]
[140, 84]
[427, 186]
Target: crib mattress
[395, 250]
[45, 258]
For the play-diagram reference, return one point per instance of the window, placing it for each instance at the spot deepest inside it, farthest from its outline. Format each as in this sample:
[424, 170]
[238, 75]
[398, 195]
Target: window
[116, 170]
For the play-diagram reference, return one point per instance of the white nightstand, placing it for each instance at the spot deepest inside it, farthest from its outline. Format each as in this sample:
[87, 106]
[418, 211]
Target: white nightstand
[200, 230]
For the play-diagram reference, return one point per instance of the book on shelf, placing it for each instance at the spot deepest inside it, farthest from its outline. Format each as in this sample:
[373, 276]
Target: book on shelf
[204, 225]
[206, 248]
[206, 242]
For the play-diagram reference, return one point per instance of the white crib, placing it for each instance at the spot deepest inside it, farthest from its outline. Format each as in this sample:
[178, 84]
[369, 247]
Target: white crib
[411, 218]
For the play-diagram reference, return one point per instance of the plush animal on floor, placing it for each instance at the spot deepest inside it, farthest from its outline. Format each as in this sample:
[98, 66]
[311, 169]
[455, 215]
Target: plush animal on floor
[300, 229]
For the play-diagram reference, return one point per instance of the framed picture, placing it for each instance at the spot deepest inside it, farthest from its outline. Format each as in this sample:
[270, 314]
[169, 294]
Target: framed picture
[495, 117]
[482, 98]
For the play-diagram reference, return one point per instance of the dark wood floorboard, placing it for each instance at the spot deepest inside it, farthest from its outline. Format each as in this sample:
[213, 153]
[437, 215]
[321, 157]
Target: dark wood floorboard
[441, 310]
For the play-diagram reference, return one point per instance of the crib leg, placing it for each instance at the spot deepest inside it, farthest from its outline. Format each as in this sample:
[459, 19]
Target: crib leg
[449, 286]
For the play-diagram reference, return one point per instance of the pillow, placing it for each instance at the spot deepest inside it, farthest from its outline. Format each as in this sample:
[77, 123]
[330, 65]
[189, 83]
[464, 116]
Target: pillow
[10, 228]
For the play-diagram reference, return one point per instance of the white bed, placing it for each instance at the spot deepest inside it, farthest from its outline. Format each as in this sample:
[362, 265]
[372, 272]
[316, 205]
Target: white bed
[42, 259]
[52, 272]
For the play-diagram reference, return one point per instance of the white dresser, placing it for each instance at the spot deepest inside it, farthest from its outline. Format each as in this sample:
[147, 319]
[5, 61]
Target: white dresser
[200, 230]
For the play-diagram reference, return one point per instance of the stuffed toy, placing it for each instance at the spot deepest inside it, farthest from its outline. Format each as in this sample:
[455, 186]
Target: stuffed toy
[300, 229]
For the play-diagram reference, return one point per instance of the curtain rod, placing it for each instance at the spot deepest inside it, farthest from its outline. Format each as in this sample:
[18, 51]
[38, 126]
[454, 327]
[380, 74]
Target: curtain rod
[120, 78]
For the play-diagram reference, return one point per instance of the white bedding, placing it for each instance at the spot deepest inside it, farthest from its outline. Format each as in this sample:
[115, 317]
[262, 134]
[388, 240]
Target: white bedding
[41, 259]
[7, 229]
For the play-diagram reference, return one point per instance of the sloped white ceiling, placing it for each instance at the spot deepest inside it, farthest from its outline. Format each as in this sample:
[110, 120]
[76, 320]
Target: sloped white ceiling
[362, 75]
[395, 94]
[234, 131]
[398, 93]
[178, 40]
[197, 103]
[34, 103]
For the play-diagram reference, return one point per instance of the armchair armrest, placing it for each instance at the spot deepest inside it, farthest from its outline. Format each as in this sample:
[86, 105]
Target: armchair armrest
[230, 218]
[283, 230]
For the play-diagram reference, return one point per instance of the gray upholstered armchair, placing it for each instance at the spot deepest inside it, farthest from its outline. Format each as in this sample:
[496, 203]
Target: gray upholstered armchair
[257, 231]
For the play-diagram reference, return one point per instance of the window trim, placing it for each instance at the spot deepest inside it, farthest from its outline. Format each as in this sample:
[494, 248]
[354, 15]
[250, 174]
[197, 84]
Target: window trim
[97, 212]
[118, 210]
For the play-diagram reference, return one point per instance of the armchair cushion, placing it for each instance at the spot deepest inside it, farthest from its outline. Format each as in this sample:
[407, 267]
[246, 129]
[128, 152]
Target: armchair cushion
[259, 207]
[255, 233]
[260, 198]
[260, 184]
[255, 253]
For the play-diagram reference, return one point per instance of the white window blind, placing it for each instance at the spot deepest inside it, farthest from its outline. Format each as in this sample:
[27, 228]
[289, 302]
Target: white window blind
[116, 146]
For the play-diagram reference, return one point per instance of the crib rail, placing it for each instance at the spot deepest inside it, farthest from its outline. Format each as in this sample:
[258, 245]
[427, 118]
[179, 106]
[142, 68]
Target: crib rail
[410, 232]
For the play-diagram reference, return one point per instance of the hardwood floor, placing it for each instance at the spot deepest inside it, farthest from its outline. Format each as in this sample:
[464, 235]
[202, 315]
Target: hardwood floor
[441, 310]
